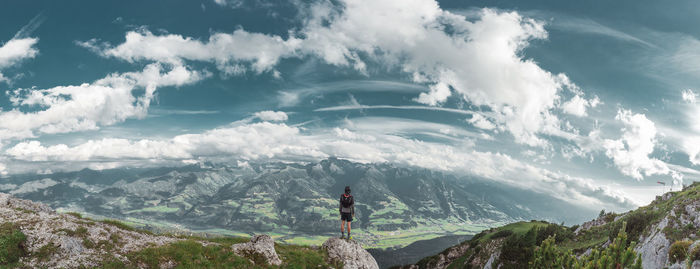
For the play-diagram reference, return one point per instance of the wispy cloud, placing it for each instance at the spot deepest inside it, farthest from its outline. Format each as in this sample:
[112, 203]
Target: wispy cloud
[589, 26]
[294, 95]
[30, 27]
[360, 107]
[158, 112]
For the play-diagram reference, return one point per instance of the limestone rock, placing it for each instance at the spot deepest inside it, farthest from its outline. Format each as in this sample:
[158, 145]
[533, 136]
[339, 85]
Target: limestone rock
[260, 245]
[350, 253]
[696, 265]
[492, 258]
[654, 248]
[63, 237]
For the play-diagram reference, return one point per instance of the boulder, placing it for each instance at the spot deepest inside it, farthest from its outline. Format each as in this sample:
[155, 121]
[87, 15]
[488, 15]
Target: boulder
[350, 253]
[259, 246]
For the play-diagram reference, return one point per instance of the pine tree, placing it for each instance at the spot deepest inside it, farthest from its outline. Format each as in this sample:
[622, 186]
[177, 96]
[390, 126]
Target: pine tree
[617, 255]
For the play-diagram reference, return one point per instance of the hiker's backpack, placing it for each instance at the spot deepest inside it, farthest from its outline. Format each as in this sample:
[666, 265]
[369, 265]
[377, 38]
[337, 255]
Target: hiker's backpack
[346, 201]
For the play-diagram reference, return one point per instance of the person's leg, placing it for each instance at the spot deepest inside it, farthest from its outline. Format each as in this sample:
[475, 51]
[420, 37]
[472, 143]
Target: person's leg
[342, 228]
[349, 231]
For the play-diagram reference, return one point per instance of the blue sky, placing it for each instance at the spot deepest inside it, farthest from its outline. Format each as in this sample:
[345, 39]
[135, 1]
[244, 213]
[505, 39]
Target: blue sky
[587, 101]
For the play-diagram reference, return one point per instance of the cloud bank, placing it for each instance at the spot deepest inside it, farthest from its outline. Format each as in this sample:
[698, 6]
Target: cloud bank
[266, 141]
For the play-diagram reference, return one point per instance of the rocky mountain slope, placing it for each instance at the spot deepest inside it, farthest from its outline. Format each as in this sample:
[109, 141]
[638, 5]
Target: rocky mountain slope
[663, 234]
[295, 203]
[32, 235]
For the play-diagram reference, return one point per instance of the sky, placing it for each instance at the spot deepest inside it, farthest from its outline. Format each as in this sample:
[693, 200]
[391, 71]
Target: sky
[592, 102]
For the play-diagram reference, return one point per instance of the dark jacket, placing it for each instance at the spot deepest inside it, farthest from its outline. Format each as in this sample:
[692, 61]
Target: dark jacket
[352, 204]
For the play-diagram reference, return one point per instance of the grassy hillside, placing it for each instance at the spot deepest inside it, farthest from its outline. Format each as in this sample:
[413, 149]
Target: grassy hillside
[32, 235]
[672, 220]
[183, 252]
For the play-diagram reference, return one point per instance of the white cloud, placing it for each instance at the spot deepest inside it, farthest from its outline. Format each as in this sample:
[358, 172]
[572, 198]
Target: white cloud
[481, 60]
[87, 106]
[245, 3]
[481, 122]
[232, 53]
[15, 51]
[33, 186]
[252, 141]
[360, 107]
[631, 152]
[691, 146]
[577, 105]
[3, 169]
[271, 115]
[438, 94]
[689, 96]
[278, 141]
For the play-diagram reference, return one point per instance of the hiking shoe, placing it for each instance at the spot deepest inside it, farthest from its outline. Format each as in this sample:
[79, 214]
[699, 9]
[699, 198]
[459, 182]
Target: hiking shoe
[349, 237]
[342, 237]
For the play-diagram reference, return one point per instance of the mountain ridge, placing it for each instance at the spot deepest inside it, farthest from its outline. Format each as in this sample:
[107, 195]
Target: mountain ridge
[664, 234]
[294, 201]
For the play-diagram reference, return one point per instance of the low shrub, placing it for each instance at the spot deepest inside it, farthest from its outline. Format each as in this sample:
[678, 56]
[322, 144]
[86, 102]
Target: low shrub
[501, 234]
[678, 251]
[637, 222]
[517, 249]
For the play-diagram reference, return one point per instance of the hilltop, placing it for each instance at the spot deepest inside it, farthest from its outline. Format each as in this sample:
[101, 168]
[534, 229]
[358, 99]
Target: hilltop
[663, 234]
[32, 235]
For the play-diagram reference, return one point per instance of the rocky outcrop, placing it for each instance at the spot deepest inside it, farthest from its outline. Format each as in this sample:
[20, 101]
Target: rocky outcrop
[350, 253]
[654, 248]
[68, 241]
[259, 246]
[492, 258]
[600, 221]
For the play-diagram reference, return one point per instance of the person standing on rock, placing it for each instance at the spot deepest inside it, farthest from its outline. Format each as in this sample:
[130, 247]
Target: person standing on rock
[347, 211]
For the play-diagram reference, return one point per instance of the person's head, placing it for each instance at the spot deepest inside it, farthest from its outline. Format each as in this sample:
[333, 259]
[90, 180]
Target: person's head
[347, 189]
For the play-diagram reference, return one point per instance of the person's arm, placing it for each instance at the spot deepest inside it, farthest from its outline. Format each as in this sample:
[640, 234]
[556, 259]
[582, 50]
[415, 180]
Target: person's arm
[353, 206]
[340, 204]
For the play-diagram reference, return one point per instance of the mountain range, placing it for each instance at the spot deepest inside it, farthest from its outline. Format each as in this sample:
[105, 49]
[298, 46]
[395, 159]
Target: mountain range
[295, 202]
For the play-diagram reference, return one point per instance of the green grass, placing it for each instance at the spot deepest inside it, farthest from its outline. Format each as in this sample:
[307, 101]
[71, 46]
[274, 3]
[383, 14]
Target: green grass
[300, 257]
[26, 211]
[124, 226]
[519, 228]
[12, 244]
[75, 214]
[79, 232]
[189, 254]
[45, 252]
